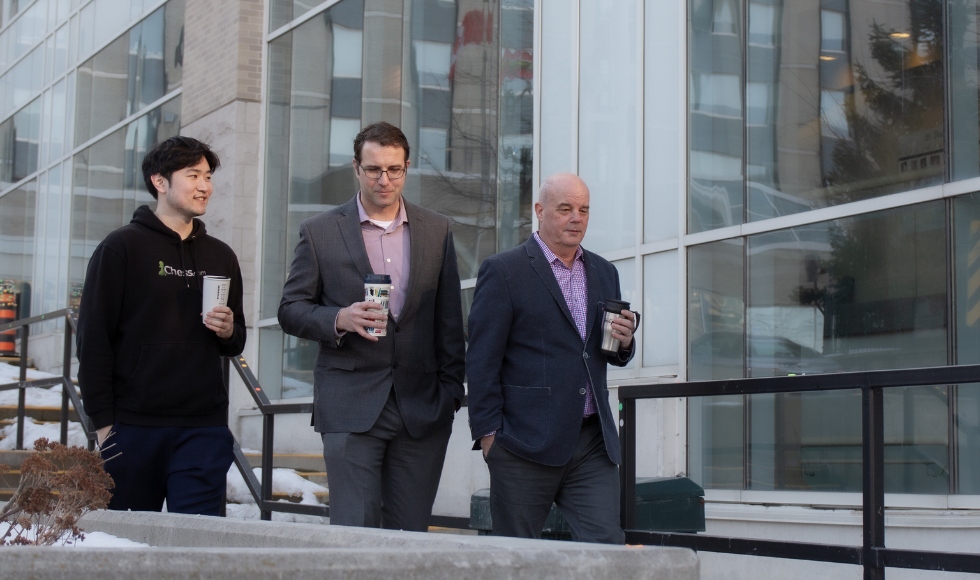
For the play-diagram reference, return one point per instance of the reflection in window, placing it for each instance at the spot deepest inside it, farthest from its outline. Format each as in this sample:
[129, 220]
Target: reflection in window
[17, 209]
[20, 138]
[715, 124]
[724, 21]
[855, 110]
[762, 24]
[831, 30]
[833, 115]
[757, 103]
[133, 71]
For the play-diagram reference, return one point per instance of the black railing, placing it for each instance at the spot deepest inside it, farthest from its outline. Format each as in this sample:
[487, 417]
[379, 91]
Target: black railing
[68, 391]
[262, 492]
[872, 554]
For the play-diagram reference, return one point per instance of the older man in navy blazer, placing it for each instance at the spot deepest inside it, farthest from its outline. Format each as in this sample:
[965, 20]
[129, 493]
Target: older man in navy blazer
[538, 402]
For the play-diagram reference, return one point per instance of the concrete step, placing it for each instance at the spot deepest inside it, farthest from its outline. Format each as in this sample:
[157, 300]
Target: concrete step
[309, 463]
[322, 497]
[38, 413]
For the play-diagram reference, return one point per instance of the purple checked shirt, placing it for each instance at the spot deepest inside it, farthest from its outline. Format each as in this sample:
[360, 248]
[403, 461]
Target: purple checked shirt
[575, 290]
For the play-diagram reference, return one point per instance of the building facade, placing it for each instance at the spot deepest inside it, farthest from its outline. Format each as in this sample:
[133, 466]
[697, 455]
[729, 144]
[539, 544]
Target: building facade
[785, 187]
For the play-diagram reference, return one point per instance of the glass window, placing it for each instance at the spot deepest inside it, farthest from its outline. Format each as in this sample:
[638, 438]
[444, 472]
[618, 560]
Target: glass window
[20, 140]
[17, 209]
[964, 99]
[762, 24]
[133, 71]
[608, 122]
[831, 30]
[874, 79]
[662, 182]
[715, 125]
[659, 323]
[283, 11]
[23, 35]
[22, 82]
[559, 148]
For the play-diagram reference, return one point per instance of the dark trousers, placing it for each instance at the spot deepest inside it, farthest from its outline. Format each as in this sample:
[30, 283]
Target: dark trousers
[586, 490]
[187, 466]
[384, 477]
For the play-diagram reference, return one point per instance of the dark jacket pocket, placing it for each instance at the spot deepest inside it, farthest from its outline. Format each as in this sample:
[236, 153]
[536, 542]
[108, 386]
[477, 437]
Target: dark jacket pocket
[527, 414]
[345, 363]
[174, 379]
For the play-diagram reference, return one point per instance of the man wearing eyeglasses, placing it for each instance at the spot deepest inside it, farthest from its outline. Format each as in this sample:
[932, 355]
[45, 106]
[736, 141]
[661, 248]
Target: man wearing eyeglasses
[384, 406]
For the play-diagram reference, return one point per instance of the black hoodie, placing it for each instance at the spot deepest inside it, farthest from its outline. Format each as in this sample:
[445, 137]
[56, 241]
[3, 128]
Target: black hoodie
[145, 356]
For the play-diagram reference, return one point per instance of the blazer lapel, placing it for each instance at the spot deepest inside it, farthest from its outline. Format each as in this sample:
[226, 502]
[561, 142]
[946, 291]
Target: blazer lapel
[417, 253]
[541, 266]
[350, 231]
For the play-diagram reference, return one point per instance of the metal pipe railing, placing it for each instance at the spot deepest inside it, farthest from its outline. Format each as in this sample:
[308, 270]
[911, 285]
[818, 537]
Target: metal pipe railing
[68, 390]
[872, 554]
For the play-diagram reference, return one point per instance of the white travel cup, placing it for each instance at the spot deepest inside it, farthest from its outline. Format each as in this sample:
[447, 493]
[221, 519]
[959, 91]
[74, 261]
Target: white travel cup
[377, 288]
[215, 294]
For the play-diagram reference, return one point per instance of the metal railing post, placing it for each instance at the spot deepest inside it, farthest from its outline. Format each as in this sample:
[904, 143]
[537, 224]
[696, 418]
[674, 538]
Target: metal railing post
[66, 372]
[268, 432]
[873, 449]
[627, 466]
[25, 334]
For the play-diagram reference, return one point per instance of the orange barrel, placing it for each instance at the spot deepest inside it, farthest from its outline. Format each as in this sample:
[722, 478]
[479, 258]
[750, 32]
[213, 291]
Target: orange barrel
[7, 346]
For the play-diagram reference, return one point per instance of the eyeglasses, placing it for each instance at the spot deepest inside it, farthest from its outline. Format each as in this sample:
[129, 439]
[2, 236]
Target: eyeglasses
[393, 174]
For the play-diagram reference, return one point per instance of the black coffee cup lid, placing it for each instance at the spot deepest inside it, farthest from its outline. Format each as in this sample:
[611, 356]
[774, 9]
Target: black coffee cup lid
[616, 306]
[377, 279]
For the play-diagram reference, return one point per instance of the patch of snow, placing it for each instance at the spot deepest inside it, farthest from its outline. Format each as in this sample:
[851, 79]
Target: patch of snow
[250, 511]
[36, 397]
[246, 450]
[34, 431]
[91, 540]
[284, 480]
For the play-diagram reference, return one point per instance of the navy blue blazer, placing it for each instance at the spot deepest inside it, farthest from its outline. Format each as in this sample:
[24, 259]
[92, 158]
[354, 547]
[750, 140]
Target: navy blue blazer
[527, 365]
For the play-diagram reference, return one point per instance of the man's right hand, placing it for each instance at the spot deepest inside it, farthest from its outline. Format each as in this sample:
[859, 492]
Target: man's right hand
[359, 315]
[102, 433]
[486, 443]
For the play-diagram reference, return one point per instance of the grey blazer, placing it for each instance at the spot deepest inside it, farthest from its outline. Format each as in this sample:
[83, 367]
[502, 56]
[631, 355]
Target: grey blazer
[423, 353]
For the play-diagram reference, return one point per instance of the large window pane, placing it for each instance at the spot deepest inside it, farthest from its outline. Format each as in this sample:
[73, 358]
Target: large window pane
[856, 108]
[17, 210]
[133, 71]
[716, 321]
[608, 121]
[964, 90]
[659, 323]
[20, 139]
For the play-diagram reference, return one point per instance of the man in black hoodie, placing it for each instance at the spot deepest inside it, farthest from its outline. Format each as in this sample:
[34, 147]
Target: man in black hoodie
[149, 368]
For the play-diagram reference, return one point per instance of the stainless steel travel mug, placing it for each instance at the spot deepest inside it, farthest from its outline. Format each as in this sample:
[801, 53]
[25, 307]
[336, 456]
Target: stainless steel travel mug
[611, 310]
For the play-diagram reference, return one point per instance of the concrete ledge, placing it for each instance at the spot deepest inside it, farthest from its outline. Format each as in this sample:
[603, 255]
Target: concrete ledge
[223, 548]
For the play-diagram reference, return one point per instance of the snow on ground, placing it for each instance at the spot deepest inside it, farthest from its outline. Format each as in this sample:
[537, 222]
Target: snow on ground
[284, 480]
[250, 511]
[34, 430]
[92, 540]
[36, 397]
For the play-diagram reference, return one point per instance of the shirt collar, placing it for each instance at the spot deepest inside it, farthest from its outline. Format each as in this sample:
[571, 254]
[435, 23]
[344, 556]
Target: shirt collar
[551, 257]
[362, 215]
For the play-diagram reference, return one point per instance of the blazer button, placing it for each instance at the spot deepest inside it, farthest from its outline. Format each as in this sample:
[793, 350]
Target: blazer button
[581, 391]
[398, 329]
[585, 355]
[394, 366]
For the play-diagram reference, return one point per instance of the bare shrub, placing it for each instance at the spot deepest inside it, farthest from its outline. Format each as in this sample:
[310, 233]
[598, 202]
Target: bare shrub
[53, 494]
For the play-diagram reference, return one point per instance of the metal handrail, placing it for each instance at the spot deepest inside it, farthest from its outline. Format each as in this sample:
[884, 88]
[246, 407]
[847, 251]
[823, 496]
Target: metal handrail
[872, 554]
[261, 491]
[68, 390]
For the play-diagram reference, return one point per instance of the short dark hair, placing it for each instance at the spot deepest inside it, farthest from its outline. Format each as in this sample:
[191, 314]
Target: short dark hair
[173, 155]
[384, 134]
